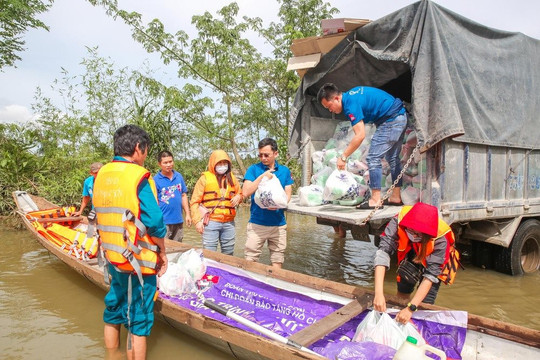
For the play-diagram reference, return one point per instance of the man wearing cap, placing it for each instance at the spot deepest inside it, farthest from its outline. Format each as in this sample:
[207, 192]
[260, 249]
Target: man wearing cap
[88, 188]
[420, 239]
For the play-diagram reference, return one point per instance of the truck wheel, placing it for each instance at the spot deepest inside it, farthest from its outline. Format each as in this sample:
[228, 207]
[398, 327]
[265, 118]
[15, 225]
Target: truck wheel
[523, 254]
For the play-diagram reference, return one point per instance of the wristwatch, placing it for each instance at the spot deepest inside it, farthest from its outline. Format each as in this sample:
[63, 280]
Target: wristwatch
[412, 307]
[343, 158]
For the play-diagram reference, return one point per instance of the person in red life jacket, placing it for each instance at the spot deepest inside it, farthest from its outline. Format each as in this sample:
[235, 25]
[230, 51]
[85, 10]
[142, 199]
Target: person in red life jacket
[131, 229]
[218, 193]
[422, 243]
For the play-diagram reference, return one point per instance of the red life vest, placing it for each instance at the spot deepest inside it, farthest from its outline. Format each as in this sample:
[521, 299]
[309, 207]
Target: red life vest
[451, 259]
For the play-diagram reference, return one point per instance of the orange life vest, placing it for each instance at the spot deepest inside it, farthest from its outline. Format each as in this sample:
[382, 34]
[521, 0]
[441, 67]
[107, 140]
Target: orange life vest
[451, 259]
[213, 197]
[122, 234]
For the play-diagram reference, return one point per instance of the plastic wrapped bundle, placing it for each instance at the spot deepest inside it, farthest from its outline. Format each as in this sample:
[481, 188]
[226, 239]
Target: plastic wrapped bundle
[321, 176]
[311, 195]
[341, 185]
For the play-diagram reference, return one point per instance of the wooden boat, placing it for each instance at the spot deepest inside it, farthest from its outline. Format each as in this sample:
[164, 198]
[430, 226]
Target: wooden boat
[485, 338]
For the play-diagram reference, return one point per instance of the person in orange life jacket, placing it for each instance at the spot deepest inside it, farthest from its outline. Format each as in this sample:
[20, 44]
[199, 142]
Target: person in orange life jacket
[363, 105]
[217, 191]
[130, 149]
[88, 188]
[266, 224]
[172, 196]
[418, 236]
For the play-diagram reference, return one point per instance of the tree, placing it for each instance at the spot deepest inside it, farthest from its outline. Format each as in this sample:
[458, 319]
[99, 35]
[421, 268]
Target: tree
[15, 18]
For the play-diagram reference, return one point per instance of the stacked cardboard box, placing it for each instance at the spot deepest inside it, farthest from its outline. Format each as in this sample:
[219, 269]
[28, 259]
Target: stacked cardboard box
[308, 51]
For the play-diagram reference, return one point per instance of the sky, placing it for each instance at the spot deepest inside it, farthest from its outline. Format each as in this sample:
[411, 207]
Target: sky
[76, 25]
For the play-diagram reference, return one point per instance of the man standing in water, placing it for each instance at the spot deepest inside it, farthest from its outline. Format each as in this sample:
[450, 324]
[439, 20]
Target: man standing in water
[172, 197]
[127, 211]
[266, 224]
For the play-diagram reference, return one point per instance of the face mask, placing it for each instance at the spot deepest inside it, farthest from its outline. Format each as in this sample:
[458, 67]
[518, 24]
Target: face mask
[222, 169]
[413, 235]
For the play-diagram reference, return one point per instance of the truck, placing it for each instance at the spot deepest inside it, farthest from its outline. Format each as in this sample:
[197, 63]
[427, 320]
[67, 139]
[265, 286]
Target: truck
[472, 94]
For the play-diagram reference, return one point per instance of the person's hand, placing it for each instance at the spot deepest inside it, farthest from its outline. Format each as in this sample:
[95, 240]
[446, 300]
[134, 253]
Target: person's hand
[199, 227]
[189, 221]
[237, 199]
[404, 316]
[379, 303]
[268, 174]
[163, 262]
[76, 213]
[340, 164]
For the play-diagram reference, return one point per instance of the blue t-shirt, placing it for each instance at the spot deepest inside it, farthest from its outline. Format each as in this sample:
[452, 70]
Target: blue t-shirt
[88, 187]
[364, 103]
[263, 216]
[169, 192]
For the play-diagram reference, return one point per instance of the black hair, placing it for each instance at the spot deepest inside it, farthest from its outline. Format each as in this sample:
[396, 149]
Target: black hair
[164, 154]
[126, 139]
[327, 92]
[268, 141]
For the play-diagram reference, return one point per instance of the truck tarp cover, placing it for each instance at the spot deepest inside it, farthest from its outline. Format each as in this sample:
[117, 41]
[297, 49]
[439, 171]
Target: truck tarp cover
[470, 82]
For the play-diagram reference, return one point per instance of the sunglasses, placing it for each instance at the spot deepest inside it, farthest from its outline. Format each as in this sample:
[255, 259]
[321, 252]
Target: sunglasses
[265, 155]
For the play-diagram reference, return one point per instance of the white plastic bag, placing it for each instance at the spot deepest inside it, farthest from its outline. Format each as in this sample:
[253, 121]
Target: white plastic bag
[341, 185]
[182, 273]
[382, 329]
[311, 195]
[270, 194]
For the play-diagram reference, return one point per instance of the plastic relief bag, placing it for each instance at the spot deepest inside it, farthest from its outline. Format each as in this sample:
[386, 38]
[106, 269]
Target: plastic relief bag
[270, 194]
[311, 195]
[341, 185]
[183, 273]
[382, 329]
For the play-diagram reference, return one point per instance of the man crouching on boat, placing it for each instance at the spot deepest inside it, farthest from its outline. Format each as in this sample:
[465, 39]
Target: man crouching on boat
[426, 256]
[131, 230]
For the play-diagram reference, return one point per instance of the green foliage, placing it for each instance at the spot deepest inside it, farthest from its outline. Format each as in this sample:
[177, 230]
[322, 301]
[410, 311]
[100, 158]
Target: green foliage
[15, 18]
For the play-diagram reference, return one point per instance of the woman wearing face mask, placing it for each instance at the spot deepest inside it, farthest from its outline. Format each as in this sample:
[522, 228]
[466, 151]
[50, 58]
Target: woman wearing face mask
[424, 245]
[218, 192]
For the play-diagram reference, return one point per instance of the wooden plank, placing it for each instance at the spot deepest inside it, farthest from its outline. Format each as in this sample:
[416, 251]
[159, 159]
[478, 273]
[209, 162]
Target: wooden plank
[58, 219]
[323, 327]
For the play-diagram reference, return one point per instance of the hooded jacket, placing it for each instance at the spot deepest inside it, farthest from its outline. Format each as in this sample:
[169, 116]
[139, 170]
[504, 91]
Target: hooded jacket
[214, 191]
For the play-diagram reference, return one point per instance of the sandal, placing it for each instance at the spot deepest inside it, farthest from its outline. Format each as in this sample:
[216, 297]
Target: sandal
[365, 206]
[386, 202]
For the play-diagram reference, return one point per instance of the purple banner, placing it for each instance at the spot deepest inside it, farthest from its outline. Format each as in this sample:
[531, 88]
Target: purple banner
[287, 312]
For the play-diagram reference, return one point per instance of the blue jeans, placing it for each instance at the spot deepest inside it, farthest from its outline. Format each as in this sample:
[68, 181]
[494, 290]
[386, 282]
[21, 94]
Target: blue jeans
[386, 142]
[224, 232]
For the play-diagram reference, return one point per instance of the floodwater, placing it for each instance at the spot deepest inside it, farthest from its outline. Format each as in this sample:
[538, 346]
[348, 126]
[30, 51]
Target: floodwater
[49, 311]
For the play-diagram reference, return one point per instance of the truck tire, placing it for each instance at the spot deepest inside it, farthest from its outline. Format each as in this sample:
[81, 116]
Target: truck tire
[523, 254]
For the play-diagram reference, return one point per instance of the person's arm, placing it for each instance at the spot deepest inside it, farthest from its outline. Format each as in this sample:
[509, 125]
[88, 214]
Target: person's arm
[185, 206]
[359, 136]
[379, 301]
[85, 200]
[288, 191]
[405, 314]
[387, 247]
[164, 262]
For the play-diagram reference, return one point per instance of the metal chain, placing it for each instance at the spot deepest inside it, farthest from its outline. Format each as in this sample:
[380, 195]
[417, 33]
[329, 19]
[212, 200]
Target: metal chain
[387, 195]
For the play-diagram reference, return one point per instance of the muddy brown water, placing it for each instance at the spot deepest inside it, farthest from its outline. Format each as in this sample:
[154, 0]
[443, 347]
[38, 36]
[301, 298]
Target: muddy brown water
[48, 311]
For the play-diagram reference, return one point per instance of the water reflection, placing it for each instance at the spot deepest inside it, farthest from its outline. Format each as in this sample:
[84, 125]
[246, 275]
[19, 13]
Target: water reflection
[49, 311]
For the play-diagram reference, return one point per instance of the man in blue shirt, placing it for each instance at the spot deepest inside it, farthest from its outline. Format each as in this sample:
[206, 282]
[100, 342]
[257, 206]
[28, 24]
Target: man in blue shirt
[266, 224]
[172, 197]
[363, 105]
[88, 188]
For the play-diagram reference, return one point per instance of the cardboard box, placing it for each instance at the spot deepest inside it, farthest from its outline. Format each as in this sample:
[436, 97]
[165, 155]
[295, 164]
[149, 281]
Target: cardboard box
[316, 44]
[303, 62]
[334, 26]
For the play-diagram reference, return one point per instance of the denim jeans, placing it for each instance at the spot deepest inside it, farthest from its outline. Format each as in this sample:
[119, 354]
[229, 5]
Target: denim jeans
[386, 142]
[224, 232]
